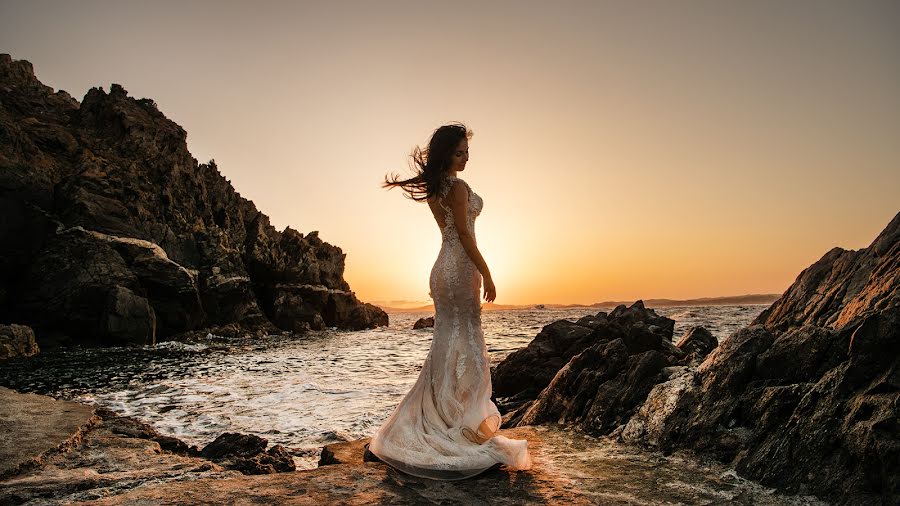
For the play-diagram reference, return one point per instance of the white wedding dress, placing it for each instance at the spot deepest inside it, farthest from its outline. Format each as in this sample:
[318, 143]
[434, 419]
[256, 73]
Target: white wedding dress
[435, 430]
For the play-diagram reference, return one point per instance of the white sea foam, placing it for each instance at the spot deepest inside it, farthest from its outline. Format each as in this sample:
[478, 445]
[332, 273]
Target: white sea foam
[179, 346]
[296, 391]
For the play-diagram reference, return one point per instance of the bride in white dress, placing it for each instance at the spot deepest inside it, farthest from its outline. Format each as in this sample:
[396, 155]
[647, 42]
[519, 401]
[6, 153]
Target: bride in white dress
[445, 428]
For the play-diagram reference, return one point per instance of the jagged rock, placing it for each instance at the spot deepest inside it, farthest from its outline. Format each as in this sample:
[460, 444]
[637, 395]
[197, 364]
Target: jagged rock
[131, 427]
[697, 342]
[842, 287]
[648, 426]
[17, 341]
[104, 195]
[599, 389]
[593, 321]
[236, 444]
[424, 323]
[274, 460]
[806, 397]
[530, 369]
[525, 372]
[247, 453]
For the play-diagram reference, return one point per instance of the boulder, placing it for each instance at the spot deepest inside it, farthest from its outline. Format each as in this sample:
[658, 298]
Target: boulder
[424, 322]
[524, 373]
[599, 389]
[247, 453]
[17, 341]
[128, 318]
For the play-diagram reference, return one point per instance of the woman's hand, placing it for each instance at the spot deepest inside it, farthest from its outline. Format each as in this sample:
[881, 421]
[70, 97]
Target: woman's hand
[490, 291]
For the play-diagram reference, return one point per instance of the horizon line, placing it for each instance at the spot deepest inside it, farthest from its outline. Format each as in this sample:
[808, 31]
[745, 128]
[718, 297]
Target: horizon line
[765, 298]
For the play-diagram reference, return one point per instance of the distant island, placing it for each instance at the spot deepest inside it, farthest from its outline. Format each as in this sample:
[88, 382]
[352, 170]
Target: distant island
[766, 298]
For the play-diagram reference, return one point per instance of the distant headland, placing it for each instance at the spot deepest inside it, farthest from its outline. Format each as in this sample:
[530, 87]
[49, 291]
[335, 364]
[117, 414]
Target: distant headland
[765, 298]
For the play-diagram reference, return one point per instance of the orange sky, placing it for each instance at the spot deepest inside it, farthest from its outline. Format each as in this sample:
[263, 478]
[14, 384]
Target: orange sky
[624, 150]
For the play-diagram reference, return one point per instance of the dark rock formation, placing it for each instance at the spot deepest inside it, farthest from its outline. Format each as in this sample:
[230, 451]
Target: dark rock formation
[842, 288]
[807, 397]
[612, 369]
[528, 370]
[697, 342]
[113, 233]
[17, 341]
[247, 453]
[562, 350]
[423, 323]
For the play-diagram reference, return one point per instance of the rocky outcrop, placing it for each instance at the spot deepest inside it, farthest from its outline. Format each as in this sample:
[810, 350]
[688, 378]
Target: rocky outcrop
[842, 288]
[558, 368]
[807, 397]
[114, 234]
[17, 341]
[423, 323]
[697, 342]
[611, 362]
[247, 453]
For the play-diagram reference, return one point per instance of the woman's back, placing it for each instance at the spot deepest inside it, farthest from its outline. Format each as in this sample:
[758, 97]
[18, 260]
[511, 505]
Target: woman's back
[442, 213]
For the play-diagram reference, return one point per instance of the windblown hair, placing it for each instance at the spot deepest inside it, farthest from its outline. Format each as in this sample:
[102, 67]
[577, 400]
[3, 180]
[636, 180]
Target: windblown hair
[432, 164]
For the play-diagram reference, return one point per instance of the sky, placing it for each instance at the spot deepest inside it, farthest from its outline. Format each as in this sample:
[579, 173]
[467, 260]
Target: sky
[624, 150]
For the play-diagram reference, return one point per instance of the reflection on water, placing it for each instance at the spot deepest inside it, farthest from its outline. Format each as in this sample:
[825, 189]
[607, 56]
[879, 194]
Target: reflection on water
[298, 392]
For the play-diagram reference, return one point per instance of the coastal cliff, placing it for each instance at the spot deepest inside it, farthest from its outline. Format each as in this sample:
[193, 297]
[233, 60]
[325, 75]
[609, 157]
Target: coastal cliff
[114, 234]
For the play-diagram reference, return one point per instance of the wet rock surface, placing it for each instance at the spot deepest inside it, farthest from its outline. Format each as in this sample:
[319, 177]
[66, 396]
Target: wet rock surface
[114, 234]
[120, 460]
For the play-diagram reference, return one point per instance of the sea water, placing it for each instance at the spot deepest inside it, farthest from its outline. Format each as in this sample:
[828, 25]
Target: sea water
[301, 392]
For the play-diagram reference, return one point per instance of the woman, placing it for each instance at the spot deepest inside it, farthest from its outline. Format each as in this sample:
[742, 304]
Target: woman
[445, 428]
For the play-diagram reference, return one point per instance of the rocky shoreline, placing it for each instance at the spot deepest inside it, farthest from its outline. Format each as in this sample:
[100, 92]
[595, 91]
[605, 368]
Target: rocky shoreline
[62, 452]
[751, 402]
[114, 234]
[805, 399]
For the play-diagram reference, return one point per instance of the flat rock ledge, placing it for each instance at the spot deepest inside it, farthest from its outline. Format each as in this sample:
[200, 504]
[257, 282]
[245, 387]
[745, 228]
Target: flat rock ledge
[34, 427]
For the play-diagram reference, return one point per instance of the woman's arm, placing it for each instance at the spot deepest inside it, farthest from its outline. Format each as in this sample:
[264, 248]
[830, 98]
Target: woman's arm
[459, 205]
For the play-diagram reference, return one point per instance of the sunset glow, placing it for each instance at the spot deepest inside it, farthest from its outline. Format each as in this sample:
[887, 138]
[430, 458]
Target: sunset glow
[623, 150]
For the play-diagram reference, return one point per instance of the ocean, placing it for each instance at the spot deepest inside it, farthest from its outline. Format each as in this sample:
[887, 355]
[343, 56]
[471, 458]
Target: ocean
[301, 392]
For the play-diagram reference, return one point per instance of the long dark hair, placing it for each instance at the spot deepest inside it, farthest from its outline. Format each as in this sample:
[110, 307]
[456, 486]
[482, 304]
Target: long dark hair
[431, 165]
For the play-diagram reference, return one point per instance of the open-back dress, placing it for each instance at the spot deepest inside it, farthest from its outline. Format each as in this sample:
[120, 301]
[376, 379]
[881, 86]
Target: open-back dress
[445, 427]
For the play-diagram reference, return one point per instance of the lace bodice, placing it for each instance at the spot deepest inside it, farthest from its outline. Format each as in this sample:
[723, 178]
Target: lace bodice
[476, 204]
